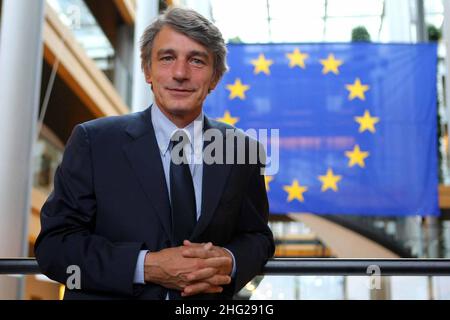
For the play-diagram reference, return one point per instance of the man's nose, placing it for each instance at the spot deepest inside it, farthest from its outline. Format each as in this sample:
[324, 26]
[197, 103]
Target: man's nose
[181, 70]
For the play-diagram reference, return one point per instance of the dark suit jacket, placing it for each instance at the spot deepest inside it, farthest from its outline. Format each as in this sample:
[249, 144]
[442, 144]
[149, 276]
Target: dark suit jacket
[110, 201]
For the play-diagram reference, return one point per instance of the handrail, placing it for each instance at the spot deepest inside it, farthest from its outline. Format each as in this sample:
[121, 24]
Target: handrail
[357, 267]
[19, 266]
[301, 266]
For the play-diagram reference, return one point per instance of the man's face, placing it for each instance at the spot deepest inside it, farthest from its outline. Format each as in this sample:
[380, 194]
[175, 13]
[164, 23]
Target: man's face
[181, 73]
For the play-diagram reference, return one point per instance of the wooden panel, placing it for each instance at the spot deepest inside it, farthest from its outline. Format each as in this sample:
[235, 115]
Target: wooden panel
[34, 226]
[40, 290]
[300, 237]
[302, 250]
[78, 71]
[444, 197]
[127, 10]
[51, 137]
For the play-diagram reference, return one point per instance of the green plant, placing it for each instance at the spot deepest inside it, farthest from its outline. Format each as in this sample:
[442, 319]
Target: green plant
[434, 34]
[360, 33]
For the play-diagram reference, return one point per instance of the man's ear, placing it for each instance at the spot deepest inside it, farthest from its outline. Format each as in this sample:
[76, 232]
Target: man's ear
[213, 84]
[148, 77]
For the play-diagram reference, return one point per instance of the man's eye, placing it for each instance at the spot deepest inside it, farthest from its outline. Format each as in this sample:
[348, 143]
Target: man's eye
[197, 61]
[166, 58]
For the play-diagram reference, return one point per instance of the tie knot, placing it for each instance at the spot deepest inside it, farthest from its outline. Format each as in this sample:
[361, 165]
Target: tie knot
[179, 137]
[178, 152]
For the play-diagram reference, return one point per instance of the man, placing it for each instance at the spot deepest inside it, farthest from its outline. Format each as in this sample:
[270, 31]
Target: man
[136, 223]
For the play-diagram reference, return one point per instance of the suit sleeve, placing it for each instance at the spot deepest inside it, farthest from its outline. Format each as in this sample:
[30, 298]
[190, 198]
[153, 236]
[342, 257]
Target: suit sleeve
[67, 224]
[253, 244]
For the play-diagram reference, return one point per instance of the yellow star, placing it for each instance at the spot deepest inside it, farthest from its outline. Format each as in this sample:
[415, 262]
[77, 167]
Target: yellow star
[262, 64]
[357, 90]
[331, 64]
[228, 119]
[237, 89]
[356, 157]
[297, 58]
[367, 122]
[295, 191]
[267, 180]
[329, 181]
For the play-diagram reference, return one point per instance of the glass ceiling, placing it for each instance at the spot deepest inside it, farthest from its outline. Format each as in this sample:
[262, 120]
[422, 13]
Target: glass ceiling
[259, 21]
[77, 16]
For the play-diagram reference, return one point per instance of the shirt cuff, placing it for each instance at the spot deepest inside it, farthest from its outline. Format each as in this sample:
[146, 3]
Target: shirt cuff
[139, 271]
[233, 271]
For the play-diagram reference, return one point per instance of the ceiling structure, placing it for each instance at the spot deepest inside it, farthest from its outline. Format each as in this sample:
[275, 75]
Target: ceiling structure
[265, 21]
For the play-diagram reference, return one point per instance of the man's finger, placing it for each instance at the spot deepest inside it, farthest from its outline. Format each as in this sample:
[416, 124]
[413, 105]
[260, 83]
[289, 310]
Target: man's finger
[214, 290]
[199, 252]
[217, 262]
[188, 243]
[201, 274]
[218, 280]
[200, 287]
[195, 288]
[206, 246]
[214, 262]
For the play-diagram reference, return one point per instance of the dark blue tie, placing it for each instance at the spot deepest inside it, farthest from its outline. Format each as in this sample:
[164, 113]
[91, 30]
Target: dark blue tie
[182, 194]
[183, 207]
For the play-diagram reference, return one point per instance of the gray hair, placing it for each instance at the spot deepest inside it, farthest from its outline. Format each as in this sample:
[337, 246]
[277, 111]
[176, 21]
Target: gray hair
[193, 25]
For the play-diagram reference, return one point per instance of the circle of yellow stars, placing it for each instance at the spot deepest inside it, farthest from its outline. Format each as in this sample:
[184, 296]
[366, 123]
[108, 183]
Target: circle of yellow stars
[356, 90]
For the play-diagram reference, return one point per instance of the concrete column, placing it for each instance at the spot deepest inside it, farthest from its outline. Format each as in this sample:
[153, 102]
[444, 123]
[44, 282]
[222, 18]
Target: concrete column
[398, 18]
[146, 12]
[445, 232]
[384, 292]
[123, 64]
[432, 237]
[410, 234]
[421, 28]
[21, 57]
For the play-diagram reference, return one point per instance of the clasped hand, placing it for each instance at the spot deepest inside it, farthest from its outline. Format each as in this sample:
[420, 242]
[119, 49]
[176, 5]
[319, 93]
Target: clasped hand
[192, 268]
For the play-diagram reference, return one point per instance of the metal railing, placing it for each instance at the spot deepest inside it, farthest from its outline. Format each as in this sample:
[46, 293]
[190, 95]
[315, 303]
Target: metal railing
[300, 266]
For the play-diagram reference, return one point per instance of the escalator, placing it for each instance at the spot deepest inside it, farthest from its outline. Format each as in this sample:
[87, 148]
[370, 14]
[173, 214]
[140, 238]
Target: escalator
[374, 237]
[379, 230]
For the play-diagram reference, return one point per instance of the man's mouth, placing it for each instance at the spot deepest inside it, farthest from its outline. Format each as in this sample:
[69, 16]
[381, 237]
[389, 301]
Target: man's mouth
[180, 93]
[181, 90]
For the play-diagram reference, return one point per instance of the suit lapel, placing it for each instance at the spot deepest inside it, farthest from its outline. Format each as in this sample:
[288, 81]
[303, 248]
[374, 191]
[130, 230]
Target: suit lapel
[145, 159]
[213, 182]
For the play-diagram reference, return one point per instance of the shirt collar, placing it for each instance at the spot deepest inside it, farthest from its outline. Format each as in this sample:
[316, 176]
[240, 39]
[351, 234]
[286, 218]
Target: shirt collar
[164, 129]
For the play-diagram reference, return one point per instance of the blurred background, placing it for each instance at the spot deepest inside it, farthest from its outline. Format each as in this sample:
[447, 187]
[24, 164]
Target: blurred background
[75, 60]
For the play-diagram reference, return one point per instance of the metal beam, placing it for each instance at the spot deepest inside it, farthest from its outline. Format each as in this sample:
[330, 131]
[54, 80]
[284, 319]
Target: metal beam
[127, 10]
[301, 266]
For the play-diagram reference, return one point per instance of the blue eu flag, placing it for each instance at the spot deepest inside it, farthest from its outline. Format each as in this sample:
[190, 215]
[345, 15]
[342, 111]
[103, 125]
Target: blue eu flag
[357, 123]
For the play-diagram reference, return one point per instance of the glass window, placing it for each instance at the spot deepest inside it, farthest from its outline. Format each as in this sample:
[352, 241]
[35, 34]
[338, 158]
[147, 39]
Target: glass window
[354, 7]
[238, 11]
[433, 6]
[257, 31]
[76, 15]
[340, 29]
[296, 20]
[296, 9]
[347, 288]
[409, 288]
[299, 30]
[300, 288]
